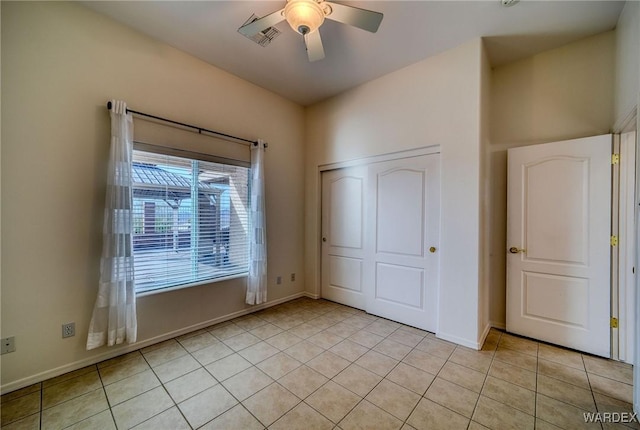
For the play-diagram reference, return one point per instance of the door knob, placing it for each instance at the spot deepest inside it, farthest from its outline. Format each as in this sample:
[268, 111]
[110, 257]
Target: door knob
[432, 249]
[515, 250]
[324, 239]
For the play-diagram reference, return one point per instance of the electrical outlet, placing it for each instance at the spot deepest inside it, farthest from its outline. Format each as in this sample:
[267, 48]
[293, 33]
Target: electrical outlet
[279, 280]
[8, 345]
[293, 277]
[68, 329]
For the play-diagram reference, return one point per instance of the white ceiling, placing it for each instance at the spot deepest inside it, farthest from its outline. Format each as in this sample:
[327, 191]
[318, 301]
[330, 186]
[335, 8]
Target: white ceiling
[410, 32]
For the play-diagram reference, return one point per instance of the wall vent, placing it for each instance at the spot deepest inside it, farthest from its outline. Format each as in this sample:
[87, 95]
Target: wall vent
[264, 37]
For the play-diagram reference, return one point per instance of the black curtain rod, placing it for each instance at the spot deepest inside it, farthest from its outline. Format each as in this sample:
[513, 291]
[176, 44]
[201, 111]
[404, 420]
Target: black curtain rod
[200, 129]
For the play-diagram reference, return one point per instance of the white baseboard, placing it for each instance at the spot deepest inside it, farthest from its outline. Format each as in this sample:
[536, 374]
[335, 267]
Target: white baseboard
[70, 367]
[477, 345]
[498, 325]
[311, 295]
[460, 341]
[484, 335]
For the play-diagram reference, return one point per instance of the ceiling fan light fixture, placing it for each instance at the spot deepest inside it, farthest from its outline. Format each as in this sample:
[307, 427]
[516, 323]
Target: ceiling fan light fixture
[304, 16]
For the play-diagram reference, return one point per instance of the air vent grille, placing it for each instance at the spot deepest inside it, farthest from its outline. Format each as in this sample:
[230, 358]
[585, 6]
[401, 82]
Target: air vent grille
[264, 37]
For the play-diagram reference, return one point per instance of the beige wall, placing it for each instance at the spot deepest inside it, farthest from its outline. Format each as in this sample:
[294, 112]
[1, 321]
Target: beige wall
[61, 63]
[627, 86]
[433, 102]
[559, 94]
[556, 95]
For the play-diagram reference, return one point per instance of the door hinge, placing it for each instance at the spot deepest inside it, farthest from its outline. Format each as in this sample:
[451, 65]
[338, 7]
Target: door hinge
[614, 240]
[614, 322]
[615, 158]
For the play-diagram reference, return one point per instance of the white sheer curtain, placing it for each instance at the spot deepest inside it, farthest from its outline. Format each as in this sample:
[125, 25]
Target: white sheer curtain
[114, 315]
[257, 282]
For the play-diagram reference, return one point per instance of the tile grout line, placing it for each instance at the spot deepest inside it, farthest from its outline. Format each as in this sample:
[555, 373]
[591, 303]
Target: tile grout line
[566, 382]
[175, 339]
[422, 396]
[332, 379]
[72, 398]
[219, 382]
[571, 404]
[104, 390]
[42, 409]
[593, 396]
[351, 363]
[239, 403]
[383, 378]
[486, 376]
[447, 360]
[41, 404]
[535, 398]
[255, 366]
[163, 387]
[378, 383]
[306, 320]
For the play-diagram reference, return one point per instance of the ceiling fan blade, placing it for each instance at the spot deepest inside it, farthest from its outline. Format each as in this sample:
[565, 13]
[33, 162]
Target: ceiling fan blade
[263, 23]
[362, 18]
[315, 51]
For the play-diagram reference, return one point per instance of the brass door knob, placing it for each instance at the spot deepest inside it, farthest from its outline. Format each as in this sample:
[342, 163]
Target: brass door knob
[432, 249]
[324, 239]
[515, 250]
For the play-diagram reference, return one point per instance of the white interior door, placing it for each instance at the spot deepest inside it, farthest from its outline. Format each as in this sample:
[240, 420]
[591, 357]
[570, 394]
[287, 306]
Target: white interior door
[343, 238]
[401, 265]
[558, 239]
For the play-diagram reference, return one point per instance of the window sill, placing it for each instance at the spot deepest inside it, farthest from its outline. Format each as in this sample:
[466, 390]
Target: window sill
[193, 284]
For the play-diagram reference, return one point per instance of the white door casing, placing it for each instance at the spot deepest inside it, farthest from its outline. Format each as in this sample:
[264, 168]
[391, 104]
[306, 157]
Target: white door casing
[626, 248]
[558, 241]
[343, 235]
[401, 265]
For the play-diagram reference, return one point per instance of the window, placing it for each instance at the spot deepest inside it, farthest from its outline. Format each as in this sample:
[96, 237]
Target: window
[190, 220]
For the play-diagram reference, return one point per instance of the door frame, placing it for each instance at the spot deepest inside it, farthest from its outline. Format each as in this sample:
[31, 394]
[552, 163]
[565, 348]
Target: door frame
[397, 155]
[626, 346]
[623, 286]
[629, 123]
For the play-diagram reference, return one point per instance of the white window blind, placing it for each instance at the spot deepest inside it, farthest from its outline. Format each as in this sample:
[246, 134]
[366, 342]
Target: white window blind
[190, 220]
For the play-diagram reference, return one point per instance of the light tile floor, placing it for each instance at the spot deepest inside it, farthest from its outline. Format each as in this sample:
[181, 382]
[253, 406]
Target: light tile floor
[313, 364]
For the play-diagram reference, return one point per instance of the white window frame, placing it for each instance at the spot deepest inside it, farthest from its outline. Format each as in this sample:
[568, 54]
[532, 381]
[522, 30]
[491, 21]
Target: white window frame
[171, 152]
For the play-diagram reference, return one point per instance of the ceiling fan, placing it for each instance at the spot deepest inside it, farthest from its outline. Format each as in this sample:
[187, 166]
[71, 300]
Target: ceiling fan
[306, 17]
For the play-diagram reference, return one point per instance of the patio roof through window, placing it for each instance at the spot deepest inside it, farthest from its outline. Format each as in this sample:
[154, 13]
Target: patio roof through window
[153, 182]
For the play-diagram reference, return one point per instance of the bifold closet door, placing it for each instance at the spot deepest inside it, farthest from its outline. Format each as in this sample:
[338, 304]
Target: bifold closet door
[343, 235]
[380, 238]
[401, 262]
